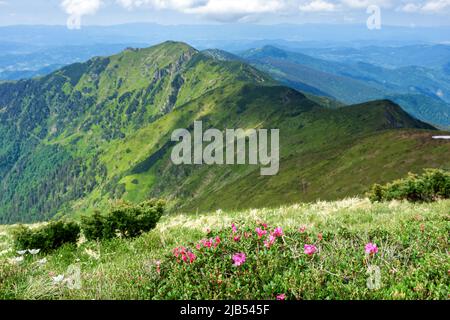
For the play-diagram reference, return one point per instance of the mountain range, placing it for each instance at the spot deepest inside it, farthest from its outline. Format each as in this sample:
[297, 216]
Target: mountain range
[100, 130]
[423, 91]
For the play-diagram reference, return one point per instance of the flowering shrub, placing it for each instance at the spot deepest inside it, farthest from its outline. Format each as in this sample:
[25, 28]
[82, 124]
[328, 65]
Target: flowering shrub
[237, 258]
[184, 255]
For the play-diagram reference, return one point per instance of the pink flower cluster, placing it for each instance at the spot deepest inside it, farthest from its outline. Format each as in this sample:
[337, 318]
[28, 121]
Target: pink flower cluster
[239, 259]
[260, 232]
[236, 238]
[278, 232]
[208, 243]
[185, 254]
[309, 249]
[371, 248]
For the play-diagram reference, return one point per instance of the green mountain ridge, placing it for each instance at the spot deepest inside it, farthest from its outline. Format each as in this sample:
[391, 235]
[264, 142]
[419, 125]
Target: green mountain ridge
[422, 91]
[96, 131]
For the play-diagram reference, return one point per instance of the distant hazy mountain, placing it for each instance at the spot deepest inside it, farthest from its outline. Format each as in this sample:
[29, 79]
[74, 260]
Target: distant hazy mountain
[423, 55]
[225, 36]
[100, 130]
[424, 92]
[27, 51]
[32, 61]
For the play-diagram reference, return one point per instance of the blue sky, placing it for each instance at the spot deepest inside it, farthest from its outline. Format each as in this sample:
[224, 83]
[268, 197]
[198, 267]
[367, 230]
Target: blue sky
[76, 13]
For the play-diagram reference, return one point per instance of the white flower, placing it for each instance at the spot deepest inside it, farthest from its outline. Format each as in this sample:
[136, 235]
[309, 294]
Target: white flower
[58, 279]
[42, 261]
[22, 252]
[16, 260]
[34, 251]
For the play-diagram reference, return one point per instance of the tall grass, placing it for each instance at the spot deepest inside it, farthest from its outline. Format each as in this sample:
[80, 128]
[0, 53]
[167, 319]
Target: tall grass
[412, 259]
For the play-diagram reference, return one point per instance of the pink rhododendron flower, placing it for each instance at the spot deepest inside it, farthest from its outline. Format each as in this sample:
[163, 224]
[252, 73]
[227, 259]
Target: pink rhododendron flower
[278, 232]
[302, 229]
[179, 251]
[191, 256]
[207, 243]
[260, 232]
[371, 248]
[264, 225]
[270, 241]
[310, 249]
[281, 296]
[237, 238]
[233, 227]
[186, 256]
[217, 242]
[239, 259]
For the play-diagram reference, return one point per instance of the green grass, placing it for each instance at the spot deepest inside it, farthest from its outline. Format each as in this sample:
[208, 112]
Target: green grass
[412, 241]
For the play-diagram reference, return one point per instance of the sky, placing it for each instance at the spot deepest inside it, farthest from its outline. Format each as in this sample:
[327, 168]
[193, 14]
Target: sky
[78, 13]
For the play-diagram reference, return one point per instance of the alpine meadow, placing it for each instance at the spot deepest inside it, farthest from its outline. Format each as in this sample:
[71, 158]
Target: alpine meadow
[121, 179]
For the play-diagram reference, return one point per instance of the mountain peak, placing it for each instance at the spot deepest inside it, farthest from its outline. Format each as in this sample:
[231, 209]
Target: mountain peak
[275, 51]
[391, 115]
[169, 47]
[265, 51]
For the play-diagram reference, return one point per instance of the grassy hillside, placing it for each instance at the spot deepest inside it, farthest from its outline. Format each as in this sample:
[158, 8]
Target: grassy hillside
[97, 131]
[412, 258]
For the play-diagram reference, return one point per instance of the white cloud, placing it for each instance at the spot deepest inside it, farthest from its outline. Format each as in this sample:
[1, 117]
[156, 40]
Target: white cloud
[236, 9]
[410, 7]
[318, 6]
[216, 9]
[430, 6]
[226, 10]
[78, 8]
[363, 4]
[178, 5]
[248, 10]
[436, 6]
